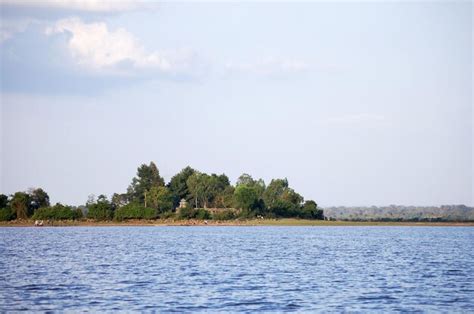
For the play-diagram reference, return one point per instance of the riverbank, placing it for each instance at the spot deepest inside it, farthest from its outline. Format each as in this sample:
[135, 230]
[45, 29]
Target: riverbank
[254, 222]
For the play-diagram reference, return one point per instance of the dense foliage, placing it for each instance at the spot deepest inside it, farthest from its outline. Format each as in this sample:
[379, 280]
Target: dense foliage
[101, 209]
[57, 212]
[135, 211]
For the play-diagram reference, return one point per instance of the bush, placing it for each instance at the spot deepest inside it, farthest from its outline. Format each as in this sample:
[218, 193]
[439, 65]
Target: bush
[284, 209]
[191, 213]
[6, 214]
[202, 214]
[310, 210]
[167, 215]
[247, 214]
[223, 215]
[100, 211]
[135, 211]
[56, 212]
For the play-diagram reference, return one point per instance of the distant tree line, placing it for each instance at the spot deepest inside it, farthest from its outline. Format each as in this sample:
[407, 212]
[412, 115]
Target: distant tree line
[401, 213]
[208, 196]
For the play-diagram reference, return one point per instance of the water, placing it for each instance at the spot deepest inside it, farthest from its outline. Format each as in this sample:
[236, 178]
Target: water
[237, 269]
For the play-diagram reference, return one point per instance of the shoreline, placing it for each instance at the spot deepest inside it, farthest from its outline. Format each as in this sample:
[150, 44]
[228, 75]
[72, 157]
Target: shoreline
[248, 223]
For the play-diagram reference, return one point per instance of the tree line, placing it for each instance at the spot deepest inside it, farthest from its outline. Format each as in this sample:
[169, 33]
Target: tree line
[401, 213]
[149, 197]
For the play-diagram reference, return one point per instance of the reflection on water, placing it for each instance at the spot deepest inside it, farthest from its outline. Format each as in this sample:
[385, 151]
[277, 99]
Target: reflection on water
[237, 268]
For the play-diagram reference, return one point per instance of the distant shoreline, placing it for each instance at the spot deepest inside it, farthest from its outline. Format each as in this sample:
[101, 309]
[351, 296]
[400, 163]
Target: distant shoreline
[254, 222]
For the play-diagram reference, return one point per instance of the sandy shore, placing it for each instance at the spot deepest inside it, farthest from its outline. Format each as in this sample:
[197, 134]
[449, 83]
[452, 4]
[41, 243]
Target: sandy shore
[256, 222]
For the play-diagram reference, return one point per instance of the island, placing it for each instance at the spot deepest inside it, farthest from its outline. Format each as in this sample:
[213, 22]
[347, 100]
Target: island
[192, 197]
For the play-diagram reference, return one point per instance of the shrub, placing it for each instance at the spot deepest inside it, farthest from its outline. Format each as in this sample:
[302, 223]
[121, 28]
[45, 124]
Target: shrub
[167, 215]
[202, 214]
[6, 214]
[310, 210]
[135, 211]
[56, 212]
[100, 211]
[223, 215]
[187, 213]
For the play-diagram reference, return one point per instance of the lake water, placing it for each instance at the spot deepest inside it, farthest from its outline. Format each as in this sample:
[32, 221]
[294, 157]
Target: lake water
[237, 269]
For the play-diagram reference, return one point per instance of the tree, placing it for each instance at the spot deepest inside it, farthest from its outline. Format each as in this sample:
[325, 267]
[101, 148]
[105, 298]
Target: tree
[39, 198]
[198, 187]
[245, 179]
[3, 201]
[21, 205]
[292, 197]
[102, 209]
[258, 185]
[215, 187]
[245, 197]
[178, 186]
[147, 177]
[160, 198]
[310, 210]
[274, 191]
[281, 200]
[5, 210]
[119, 200]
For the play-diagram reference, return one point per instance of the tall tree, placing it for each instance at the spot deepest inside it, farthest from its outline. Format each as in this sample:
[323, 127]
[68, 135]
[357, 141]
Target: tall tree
[148, 176]
[198, 185]
[245, 197]
[39, 198]
[21, 204]
[274, 191]
[160, 198]
[178, 186]
[247, 179]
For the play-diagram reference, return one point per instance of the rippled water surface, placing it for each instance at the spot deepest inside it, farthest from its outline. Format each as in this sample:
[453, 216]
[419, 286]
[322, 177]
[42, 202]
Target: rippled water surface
[237, 268]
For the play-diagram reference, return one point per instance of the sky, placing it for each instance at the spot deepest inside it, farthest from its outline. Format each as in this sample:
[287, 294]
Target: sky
[357, 104]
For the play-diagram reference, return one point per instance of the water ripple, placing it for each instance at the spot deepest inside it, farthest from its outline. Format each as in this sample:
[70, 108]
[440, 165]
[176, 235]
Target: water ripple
[231, 269]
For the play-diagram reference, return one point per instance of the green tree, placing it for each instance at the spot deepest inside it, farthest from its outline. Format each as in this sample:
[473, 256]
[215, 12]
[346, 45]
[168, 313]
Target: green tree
[274, 191]
[258, 185]
[3, 201]
[160, 198]
[310, 210]
[179, 187]
[147, 177]
[281, 200]
[102, 209]
[21, 205]
[198, 187]
[39, 198]
[245, 197]
[215, 187]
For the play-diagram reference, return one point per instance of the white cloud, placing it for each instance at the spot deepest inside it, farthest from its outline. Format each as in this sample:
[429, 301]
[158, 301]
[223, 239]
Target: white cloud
[99, 6]
[95, 46]
[268, 66]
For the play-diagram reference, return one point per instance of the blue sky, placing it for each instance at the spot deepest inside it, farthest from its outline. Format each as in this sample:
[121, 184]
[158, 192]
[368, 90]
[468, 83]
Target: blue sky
[355, 103]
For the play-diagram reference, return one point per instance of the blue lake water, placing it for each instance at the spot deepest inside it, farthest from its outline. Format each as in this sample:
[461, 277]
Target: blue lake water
[302, 269]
